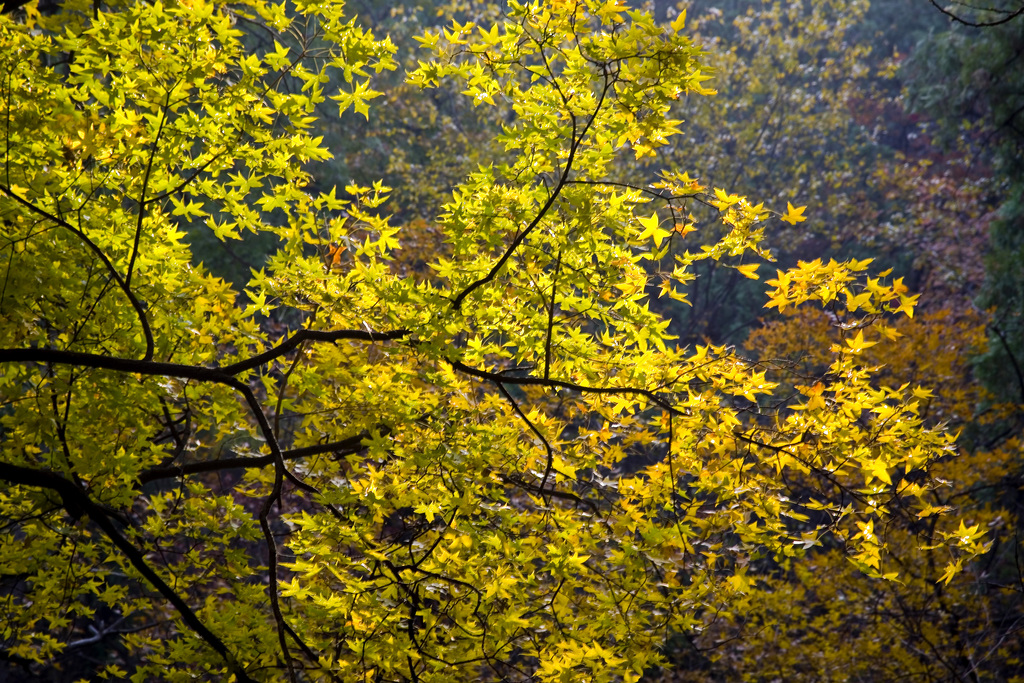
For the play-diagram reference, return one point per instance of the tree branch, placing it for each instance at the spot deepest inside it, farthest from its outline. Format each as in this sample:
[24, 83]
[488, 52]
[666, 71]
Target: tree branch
[200, 373]
[293, 341]
[549, 465]
[496, 378]
[352, 444]
[551, 317]
[140, 311]
[1013, 359]
[577, 140]
[145, 187]
[76, 502]
[1010, 15]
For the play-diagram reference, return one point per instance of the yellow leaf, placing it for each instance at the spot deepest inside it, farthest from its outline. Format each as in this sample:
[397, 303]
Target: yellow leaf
[684, 229]
[749, 270]
[724, 200]
[815, 401]
[855, 301]
[679, 23]
[877, 470]
[952, 569]
[907, 304]
[429, 510]
[652, 230]
[564, 468]
[610, 11]
[858, 343]
[930, 510]
[794, 214]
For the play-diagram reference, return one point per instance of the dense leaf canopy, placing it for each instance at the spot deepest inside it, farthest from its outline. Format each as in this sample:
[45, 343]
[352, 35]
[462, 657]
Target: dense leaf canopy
[488, 461]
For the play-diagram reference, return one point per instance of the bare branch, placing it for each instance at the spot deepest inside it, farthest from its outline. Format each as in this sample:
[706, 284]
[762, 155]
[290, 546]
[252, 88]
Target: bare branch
[145, 187]
[547, 446]
[1013, 358]
[660, 401]
[551, 317]
[352, 444]
[1009, 15]
[311, 335]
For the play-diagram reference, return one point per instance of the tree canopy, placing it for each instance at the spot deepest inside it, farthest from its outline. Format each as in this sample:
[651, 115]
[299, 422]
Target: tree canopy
[487, 459]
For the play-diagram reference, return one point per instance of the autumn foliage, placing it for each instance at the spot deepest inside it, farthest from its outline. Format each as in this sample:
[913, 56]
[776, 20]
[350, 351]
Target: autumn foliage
[455, 442]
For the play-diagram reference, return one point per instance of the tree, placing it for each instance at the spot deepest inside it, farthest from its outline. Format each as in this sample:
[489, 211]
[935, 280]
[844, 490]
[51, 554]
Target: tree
[501, 469]
[821, 617]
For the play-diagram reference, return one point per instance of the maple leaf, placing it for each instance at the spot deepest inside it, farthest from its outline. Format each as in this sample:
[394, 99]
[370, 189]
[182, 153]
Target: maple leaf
[749, 270]
[794, 214]
[652, 230]
[858, 343]
[878, 470]
[610, 11]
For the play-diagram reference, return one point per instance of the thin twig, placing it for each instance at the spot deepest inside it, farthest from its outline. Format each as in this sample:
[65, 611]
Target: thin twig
[1010, 16]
